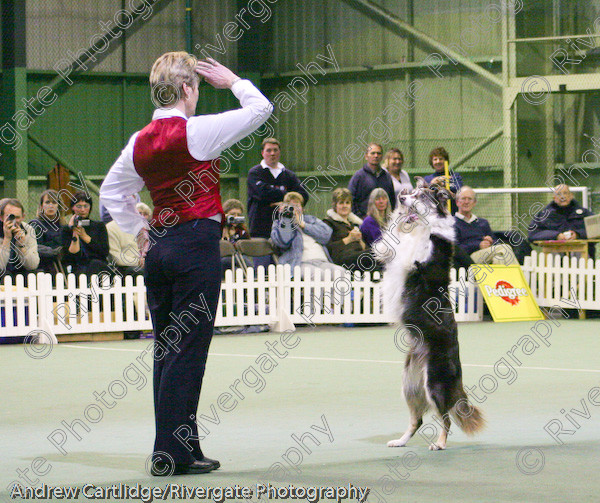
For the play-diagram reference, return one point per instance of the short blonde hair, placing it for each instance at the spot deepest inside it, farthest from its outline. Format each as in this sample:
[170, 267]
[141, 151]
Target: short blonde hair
[294, 196]
[168, 74]
[143, 207]
[340, 195]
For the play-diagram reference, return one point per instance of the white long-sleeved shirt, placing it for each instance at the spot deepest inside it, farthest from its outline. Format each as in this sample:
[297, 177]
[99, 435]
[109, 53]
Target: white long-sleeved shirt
[207, 137]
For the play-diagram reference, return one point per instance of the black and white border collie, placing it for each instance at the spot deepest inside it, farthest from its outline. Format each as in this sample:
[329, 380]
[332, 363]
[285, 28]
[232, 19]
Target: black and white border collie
[417, 269]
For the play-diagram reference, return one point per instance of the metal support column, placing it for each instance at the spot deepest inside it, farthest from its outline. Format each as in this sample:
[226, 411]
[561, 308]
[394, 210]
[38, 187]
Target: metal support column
[14, 123]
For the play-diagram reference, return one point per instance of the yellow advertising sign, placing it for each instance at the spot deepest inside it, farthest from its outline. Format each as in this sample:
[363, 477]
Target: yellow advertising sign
[506, 292]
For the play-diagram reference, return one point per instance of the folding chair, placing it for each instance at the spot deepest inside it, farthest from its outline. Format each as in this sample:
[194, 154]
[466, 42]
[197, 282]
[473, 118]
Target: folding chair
[255, 247]
[228, 250]
[58, 265]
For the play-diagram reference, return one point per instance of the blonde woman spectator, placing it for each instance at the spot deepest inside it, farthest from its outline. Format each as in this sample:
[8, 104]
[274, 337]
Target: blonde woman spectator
[378, 213]
[48, 229]
[301, 238]
[123, 246]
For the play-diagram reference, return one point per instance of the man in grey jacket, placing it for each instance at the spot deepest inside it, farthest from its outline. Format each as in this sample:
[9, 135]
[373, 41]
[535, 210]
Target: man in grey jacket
[18, 249]
[301, 238]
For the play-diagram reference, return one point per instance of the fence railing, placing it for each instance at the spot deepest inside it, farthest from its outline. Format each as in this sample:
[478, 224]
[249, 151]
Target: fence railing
[275, 297]
[552, 278]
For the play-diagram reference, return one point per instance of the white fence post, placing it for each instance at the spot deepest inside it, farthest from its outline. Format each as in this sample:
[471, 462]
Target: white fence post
[276, 298]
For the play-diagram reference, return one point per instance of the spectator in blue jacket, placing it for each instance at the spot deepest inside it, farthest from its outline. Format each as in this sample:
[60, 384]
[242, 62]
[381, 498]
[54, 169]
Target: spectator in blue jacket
[301, 238]
[562, 219]
[369, 177]
[474, 234]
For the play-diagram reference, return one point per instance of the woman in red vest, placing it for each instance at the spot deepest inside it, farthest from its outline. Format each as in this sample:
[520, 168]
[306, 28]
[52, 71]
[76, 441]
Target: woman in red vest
[176, 157]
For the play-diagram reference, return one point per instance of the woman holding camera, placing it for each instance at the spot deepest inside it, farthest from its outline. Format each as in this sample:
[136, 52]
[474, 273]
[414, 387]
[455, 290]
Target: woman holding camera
[234, 228]
[85, 241]
[301, 238]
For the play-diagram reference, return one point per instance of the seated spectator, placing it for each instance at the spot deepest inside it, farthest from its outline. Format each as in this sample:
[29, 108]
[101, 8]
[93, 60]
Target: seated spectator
[85, 241]
[123, 249]
[301, 238]
[392, 163]
[561, 219]
[437, 160]
[378, 213]
[369, 177]
[144, 210]
[234, 229]
[48, 230]
[19, 250]
[474, 235]
[346, 245]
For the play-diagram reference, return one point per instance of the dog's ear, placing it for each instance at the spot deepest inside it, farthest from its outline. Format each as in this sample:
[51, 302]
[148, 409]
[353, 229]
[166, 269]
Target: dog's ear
[442, 194]
[421, 183]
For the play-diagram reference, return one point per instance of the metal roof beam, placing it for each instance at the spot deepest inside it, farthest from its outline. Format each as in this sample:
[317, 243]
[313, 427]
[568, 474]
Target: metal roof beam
[397, 25]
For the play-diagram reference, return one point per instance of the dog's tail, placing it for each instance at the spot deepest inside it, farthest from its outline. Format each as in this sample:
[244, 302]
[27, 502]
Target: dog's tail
[468, 417]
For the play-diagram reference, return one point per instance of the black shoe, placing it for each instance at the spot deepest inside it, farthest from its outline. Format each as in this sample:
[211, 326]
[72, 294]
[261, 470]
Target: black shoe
[161, 469]
[214, 462]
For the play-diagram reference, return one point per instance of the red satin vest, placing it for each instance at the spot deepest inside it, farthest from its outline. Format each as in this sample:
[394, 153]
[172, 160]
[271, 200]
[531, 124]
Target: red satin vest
[176, 181]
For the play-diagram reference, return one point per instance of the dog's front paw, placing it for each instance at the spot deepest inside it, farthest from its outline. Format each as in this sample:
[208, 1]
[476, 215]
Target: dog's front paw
[399, 442]
[436, 447]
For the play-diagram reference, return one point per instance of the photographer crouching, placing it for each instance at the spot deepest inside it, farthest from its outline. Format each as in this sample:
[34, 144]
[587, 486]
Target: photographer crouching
[19, 251]
[85, 241]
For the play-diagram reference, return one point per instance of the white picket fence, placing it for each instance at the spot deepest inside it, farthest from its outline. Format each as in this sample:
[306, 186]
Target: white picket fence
[276, 298]
[552, 278]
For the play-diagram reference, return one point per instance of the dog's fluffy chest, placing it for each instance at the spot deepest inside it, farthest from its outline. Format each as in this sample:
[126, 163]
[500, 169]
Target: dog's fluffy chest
[411, 248]
[404, 251]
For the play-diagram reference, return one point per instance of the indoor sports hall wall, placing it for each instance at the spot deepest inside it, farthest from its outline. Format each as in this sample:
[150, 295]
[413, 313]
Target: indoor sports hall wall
[372, 82]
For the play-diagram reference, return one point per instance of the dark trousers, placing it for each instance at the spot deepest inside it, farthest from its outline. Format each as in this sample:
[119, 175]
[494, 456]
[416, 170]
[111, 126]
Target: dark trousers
[183, 280]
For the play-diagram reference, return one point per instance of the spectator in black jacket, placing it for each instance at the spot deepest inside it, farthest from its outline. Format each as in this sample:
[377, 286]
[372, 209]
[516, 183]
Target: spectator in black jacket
[48, 229]
[561, 219]
[370, 176]
[268, 182]
[346, 246]
[85, 241]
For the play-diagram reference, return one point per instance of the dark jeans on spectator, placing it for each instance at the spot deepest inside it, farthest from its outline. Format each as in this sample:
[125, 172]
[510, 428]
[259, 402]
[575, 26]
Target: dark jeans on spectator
[265, 261]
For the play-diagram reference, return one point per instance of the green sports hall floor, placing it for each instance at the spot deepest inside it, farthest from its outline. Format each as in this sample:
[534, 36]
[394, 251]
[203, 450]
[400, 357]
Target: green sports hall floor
[342, 385]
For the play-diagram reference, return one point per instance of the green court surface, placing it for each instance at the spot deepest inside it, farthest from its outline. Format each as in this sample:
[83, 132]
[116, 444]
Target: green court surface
[336, 391]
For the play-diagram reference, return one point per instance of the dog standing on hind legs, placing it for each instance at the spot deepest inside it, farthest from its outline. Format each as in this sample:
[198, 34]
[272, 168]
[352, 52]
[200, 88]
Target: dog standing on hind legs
[417, 273]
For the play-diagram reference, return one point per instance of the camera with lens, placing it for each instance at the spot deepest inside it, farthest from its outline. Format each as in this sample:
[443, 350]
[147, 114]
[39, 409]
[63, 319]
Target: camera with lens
[235, 220]
[287, 212]
[80, 222]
